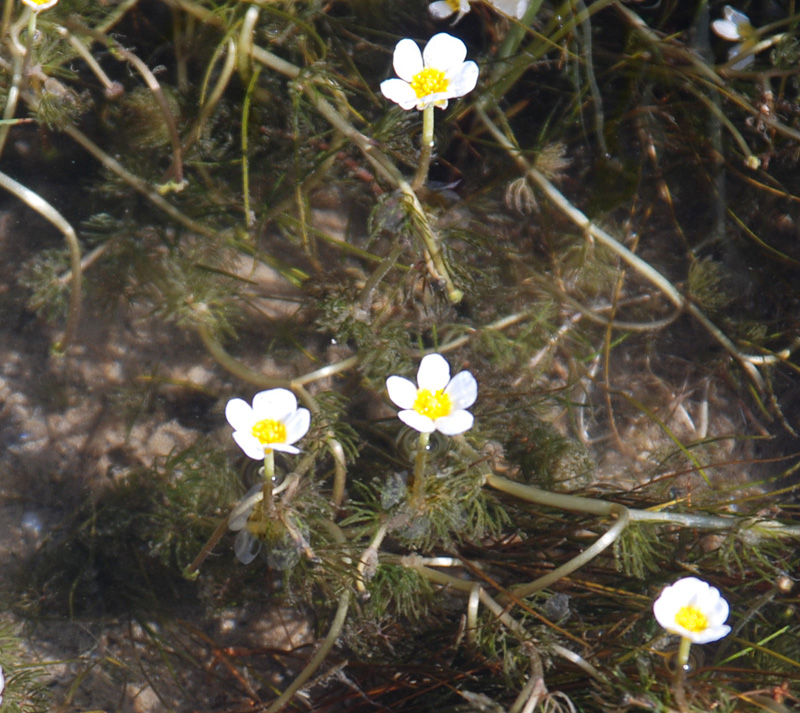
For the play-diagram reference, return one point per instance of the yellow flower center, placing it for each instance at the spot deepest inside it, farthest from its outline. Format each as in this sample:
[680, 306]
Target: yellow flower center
[270, 431]
[455, 5]
[691, 619]
[429, 81]
[433, 404]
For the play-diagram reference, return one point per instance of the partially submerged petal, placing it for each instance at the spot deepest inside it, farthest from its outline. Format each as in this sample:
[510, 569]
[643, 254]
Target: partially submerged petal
[246, 547]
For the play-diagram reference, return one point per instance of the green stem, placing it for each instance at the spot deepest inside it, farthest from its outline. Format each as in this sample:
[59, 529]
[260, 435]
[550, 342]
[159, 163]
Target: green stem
[269, 474]
[47, 211]
[425, 149]
[683, 651]
[319, 656]
[679, 679]
[418, 488]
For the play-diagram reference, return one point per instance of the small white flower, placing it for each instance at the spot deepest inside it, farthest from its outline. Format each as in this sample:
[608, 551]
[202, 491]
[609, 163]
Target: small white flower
[273, 423]
[512, 8]
[442, 9]
[433, 76]
[694, 610]
[736, 27]
[2, 685]
[39, 5]
[437, 402]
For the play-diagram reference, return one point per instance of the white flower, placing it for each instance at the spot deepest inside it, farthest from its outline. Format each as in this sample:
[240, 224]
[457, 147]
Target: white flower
[515, 8]
[442, 9]
[736, 26]
[2, 685]
[273, 423]
[694, 610]
[39, 5]
[432, 76]
[437, 403]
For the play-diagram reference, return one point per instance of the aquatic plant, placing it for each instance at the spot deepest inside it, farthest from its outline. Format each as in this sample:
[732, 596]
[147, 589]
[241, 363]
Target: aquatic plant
[602, 232]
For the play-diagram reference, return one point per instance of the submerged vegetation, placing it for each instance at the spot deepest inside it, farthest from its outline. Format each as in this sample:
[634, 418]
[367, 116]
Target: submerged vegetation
[585, 212]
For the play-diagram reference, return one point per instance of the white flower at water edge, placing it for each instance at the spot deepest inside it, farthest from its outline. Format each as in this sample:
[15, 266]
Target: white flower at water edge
[736, 27]
[433, 76]
[273, 423]
[436, 402]
[693, 609]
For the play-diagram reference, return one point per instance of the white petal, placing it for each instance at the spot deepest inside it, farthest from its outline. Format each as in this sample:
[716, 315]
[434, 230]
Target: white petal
[297, 425]
[457, 422]
[239, 415]
[440, 9]
[417, 421]
[733, 15]
[407, 59]
[242, 510]
[438, 99]
[284, 448]
[745, 61]
[252, 447]
[275, 404]
[402, 392]
[400, 92]
[462, 390]
[246, 547]
[433, 373]
[444, 52]
[522, 7]
[725, 29]
[464, 81]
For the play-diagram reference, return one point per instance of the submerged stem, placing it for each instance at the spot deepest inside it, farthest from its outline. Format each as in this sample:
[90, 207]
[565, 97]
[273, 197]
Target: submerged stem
[319, 657]
[47, 211]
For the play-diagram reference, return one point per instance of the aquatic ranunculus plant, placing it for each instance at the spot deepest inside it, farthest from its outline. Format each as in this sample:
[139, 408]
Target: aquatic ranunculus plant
[272, 423]
[436, 402]
[430, 77]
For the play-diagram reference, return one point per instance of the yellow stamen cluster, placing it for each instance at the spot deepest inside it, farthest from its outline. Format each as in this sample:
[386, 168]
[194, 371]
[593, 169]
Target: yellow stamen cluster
[691, 619]
[433, 404]
[270, 431]
[429, 81]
